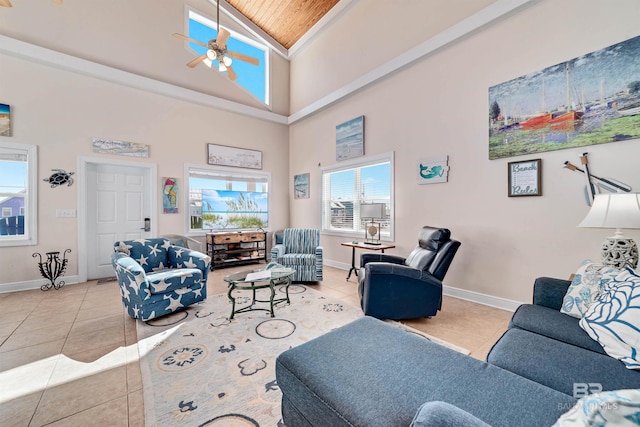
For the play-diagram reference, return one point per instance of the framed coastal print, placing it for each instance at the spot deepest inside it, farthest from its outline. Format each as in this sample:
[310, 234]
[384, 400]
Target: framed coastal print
[525, 178]
[222, 155]
[169, 195]
[350, 139]
[5, 120]
[301, 186]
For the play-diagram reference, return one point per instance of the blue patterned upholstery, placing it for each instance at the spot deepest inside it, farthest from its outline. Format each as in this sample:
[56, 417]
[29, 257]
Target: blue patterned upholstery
[157, 278]
[300, 249]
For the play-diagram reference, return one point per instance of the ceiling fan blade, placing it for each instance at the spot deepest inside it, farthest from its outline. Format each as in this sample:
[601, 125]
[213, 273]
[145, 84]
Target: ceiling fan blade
[180, 36]
[196, 61]
[5, 3]
[223, 35]
[231, 73]
[243, 57]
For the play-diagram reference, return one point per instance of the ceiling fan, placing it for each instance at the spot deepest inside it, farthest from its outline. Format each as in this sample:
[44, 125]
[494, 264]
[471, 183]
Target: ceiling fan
[7, 3]
[217, 50]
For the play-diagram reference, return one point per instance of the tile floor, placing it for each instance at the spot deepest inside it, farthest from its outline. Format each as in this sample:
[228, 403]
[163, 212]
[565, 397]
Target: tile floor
[69, 357]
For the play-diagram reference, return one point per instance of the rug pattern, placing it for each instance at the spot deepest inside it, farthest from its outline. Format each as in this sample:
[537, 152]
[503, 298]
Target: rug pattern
[207, 370]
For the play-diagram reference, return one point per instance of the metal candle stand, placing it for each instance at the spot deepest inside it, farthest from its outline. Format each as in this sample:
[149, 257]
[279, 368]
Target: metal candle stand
[52, 269]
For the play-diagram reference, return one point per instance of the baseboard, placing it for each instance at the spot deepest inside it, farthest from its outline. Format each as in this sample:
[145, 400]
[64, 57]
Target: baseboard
[34, 284]
[477, 297]
[484, 299]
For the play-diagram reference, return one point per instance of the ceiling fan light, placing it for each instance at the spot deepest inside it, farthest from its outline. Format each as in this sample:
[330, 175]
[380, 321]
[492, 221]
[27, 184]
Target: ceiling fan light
[227, 61]
[211, 54]
[221, 67]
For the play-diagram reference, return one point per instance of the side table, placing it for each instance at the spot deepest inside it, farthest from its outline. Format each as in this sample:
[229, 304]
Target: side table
[362, 245]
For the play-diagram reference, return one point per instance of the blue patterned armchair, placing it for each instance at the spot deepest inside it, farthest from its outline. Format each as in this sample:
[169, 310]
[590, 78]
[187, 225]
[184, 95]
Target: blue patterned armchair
[300, 249]
[157, 278]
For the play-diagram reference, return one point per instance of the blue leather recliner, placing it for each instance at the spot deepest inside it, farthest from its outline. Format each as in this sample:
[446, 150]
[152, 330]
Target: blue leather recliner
[158, 278]
[392, 287]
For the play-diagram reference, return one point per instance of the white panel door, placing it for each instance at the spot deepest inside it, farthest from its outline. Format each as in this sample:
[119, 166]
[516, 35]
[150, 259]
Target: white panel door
[118, 201]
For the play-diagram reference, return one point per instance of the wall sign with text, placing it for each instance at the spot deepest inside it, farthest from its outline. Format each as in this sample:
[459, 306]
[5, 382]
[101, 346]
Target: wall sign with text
[525, 178]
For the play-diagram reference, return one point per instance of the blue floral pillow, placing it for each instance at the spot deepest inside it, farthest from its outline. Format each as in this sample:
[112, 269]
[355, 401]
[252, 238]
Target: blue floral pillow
[614, 319]
[611, 408]
[586, 285]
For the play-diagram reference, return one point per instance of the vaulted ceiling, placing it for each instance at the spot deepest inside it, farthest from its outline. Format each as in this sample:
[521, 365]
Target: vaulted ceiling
[284, 20]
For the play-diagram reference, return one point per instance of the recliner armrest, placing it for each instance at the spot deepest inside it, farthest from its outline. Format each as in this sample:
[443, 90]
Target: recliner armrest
[123, 261]
[550, 292]
[368, 257]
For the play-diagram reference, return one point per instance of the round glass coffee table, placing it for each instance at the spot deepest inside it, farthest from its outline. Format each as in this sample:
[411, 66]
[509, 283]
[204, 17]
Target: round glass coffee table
[270, 277]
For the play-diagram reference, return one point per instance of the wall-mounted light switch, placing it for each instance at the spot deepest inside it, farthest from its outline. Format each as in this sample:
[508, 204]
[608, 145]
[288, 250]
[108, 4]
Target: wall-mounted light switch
[65, 213]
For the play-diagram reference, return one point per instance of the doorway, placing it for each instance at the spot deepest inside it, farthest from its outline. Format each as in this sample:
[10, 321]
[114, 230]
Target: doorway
[115, 199]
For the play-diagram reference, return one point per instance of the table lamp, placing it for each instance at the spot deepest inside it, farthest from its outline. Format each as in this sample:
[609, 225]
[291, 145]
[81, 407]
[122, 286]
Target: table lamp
[372, 211]
[616, 210]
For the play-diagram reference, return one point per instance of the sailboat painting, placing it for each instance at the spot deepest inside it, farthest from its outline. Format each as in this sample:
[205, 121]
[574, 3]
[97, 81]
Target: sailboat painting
[591, 99]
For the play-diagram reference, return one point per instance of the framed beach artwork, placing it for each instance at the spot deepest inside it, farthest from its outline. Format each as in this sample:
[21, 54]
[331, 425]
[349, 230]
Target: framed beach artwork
[222, 155]
[170, 195]
[350, 139]
[591, 99]
[122, 148]
[301, 186]
[5, 120]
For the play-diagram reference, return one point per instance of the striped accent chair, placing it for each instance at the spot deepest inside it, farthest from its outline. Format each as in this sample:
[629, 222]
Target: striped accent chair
[158, 278]
[300, 249]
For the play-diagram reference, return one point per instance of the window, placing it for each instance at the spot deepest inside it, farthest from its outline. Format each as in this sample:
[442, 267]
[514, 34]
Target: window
[220, 199]
[253, 78]
[347, 185]
[18, 194]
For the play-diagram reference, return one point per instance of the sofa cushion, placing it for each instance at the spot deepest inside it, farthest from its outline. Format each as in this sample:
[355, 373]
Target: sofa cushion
[442, 414]
[614, 319]
[612, 408]
[553, 324]
[557, 364]
[369, 373]
[585, 287]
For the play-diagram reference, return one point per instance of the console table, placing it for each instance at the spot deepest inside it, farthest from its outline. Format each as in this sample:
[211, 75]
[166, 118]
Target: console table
[362, 245]
[238, 247]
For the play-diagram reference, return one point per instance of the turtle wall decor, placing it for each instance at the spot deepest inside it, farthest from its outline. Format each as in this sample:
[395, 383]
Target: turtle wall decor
[59, 177]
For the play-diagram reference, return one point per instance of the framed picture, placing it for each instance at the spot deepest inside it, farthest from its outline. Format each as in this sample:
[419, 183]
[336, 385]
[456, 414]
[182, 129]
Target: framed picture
[5, 120]
[350, 139]
[525, 178]
[222, 155]
[122, 148]
[169, 195]
[301, 186]
[587, 100]
[433, 170]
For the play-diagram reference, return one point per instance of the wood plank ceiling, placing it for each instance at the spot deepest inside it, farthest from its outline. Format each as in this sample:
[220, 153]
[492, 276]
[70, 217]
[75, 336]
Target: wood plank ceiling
[284, 20]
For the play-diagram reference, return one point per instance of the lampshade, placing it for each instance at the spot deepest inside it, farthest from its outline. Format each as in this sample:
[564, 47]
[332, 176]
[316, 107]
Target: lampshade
[615, 210]
[373, 210]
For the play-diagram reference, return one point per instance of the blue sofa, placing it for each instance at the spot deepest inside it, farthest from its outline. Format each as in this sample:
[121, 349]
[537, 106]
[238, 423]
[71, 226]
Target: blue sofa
[370, 373]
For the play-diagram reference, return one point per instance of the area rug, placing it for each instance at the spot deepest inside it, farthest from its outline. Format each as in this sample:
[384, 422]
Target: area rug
[201, 369]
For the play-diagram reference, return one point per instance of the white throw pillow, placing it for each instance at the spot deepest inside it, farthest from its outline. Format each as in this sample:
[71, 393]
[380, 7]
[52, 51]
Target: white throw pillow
[585, 287]
[611, 408]
[614, 319]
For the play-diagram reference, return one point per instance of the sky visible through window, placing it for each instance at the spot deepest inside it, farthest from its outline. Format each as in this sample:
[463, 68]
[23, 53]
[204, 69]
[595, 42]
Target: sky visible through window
[13, 177]
[251, 77]
[375, 183]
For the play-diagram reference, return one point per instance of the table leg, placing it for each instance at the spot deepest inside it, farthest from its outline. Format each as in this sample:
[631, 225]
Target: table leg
[353, 263]
[233, 301]
[273, 294]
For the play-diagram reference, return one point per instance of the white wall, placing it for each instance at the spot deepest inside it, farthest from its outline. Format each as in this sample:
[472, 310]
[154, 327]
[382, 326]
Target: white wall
[439, 106]
[61, 112]
[135, 36]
